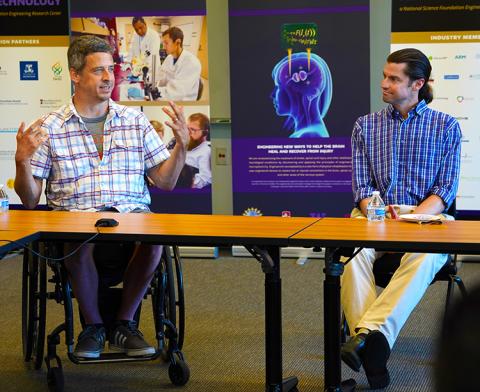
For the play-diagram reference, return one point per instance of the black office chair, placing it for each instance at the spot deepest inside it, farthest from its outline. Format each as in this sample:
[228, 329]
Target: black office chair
[385, 266]
[166, 290]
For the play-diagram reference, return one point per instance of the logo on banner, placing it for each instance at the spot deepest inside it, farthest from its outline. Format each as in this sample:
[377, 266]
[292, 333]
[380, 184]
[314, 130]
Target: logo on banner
[451, 77]
[461, 98]
[317, 214]
[471, 77]
[57, 71]
[460, 57]
[437, 58]
[252, 211]
[50, 103]
[28, 70]
[3, 71]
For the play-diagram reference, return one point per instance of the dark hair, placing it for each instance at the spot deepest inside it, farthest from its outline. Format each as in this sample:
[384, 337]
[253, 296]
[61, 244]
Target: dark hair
[458, 351]
[138, 19]
[203, 121]
[418, 67]
[84, 45]
[174, 33]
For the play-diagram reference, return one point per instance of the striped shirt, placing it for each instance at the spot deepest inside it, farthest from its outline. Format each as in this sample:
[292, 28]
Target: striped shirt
[407, 160]
[77, 179]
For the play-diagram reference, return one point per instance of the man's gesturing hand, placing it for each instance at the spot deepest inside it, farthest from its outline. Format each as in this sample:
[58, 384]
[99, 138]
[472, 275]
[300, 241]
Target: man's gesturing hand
[28, 141]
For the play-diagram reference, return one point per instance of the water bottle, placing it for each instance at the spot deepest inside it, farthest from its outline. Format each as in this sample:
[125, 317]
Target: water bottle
[376, 208]
[3, 199]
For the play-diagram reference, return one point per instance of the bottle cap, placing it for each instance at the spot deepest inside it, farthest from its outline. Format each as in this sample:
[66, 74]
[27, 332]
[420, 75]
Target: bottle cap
[375, 192]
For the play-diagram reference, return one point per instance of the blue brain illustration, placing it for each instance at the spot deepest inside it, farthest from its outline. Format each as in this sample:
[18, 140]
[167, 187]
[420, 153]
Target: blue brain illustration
[303, 93]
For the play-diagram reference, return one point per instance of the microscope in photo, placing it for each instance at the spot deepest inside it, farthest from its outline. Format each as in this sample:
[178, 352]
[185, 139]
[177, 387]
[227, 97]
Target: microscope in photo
[151, 92]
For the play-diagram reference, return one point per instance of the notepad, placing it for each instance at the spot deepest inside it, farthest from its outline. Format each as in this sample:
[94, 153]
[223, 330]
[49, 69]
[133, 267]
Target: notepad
[421, 218]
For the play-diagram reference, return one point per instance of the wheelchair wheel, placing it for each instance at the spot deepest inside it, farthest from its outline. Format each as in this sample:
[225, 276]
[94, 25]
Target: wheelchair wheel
[163, 302]
[169, 286]
[179, 373]
[34, 301]
[180, 293]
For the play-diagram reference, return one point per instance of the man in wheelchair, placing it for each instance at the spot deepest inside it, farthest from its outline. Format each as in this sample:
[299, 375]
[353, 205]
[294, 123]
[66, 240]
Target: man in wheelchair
[94, 155]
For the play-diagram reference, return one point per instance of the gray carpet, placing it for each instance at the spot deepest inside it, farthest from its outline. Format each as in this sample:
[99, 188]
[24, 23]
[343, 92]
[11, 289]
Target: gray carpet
[224, 344]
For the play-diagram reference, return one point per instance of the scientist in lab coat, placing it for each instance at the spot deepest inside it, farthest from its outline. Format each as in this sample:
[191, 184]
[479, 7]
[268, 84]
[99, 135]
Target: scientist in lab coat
[145, 45]
[179, 75]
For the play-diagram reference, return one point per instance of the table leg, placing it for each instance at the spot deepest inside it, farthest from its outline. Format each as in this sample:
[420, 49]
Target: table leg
[331, 319]
[270, 261]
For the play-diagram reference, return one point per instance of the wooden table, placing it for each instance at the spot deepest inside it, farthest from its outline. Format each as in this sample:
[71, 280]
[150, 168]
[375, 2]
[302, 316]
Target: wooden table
[15, 239]
[448, 237]
[335, 234]
[262, 236]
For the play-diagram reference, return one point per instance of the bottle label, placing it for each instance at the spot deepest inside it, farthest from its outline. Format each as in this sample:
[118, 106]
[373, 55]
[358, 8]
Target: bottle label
[4, 204]
[379, 211]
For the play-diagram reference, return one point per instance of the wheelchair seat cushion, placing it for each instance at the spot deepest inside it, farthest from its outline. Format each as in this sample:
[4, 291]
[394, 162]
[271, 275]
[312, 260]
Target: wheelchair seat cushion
[111, 261]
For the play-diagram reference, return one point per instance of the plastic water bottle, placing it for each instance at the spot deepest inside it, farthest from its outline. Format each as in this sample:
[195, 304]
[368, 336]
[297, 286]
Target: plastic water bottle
[4, 204]
[376, 208]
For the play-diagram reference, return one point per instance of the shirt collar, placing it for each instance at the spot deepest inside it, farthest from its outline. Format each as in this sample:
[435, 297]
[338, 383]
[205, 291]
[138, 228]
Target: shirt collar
[113, 110]
[418, 110]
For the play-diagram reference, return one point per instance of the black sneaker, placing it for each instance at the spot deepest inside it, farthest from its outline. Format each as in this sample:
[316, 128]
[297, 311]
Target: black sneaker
[126, 338]
[90, 342]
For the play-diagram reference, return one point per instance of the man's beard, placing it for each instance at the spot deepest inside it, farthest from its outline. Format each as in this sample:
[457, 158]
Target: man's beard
[194, 143]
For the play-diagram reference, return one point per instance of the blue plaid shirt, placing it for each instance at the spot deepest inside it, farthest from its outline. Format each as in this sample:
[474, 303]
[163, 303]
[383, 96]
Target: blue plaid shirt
[407, 160]
[78, 179]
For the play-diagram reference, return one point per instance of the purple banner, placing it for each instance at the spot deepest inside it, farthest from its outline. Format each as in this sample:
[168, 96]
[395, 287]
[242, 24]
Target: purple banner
[299, 79]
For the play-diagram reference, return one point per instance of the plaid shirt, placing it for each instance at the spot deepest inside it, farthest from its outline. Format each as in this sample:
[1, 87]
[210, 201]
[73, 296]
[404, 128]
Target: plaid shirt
[406, 160]
[76, 177]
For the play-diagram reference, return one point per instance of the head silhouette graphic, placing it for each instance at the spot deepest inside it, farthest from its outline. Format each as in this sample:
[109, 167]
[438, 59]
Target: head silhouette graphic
[303, 92]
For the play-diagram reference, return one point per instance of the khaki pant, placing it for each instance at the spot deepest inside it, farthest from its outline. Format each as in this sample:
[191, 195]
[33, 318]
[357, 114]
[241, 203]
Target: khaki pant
[388, 311]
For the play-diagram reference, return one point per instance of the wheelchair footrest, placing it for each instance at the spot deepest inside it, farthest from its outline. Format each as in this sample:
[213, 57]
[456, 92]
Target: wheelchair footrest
[113, 357]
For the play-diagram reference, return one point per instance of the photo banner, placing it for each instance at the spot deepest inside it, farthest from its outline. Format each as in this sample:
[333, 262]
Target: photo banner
[34, 79]
[300, 77]
[147, 77]
[448, 32]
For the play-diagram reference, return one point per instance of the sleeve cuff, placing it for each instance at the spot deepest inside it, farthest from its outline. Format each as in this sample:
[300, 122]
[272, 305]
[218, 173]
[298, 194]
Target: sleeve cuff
[445, 194]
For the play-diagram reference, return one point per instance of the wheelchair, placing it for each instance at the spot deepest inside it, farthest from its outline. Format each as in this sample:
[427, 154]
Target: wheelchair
[167, 298]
